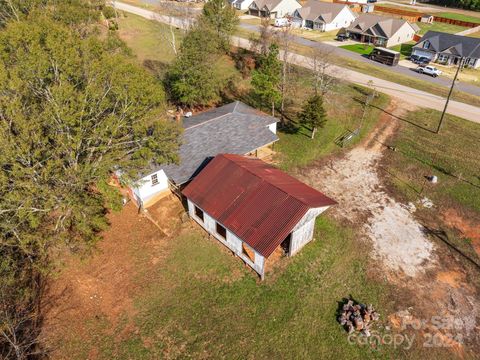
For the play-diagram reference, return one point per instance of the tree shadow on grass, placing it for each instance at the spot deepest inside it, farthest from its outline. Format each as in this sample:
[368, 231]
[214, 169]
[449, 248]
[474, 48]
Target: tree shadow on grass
[158, 68]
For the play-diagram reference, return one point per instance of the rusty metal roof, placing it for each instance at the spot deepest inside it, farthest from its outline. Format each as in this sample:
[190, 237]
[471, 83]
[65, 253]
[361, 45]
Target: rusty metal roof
[257, 202]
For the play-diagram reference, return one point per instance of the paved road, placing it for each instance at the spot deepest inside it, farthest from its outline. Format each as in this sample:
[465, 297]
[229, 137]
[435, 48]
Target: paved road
[471, 89]
[404, 93]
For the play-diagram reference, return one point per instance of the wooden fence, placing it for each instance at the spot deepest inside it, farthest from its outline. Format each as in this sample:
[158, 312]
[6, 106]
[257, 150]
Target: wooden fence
[455, 22]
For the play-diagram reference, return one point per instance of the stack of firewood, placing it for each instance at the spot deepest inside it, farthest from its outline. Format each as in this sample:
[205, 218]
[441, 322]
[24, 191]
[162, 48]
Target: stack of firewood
[357, 317]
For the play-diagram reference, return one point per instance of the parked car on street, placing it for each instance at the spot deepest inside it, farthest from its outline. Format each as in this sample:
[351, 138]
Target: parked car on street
[385, 56]
[429, 70]
[342, 37]
[420, 60]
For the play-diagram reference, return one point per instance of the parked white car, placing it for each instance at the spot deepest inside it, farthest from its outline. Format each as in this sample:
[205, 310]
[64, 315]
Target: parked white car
[429, 70]
[282, 22]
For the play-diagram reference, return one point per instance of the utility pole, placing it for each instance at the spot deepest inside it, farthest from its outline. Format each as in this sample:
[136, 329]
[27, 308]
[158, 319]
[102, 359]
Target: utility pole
[460, 64]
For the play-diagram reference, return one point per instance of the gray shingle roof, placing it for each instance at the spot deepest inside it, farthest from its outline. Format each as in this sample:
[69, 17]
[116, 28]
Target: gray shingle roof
[377, 25]
[234, 128]
[454, 44]
[315, 9]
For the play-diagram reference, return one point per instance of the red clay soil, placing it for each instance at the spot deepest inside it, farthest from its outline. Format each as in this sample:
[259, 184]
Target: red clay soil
[103, 284]
[467, 228]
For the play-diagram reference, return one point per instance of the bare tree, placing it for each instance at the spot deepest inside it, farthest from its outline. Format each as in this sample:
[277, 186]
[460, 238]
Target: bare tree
[262, 43]
[285, 39]
[321, 65]
[177, 18]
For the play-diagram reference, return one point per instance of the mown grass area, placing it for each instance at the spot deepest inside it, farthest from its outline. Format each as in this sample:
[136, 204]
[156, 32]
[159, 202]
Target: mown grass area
[461, 17]
[438, 26]
[148, 39]
[316, 35]
[362, 49]
[452, 155]
[404, 49]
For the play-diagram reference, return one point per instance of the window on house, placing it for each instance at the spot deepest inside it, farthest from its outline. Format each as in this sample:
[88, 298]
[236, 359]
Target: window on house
[248, 251]
[426, 44]
[221, 231]
[154, 179]
[198, 213]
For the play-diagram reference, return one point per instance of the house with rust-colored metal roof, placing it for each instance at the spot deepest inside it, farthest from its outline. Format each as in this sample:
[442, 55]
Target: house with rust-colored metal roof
[254, 208]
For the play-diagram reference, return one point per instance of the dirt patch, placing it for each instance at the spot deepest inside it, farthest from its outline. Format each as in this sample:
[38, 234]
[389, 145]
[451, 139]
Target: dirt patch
[398, 239]
[103, 284]
[467, 228]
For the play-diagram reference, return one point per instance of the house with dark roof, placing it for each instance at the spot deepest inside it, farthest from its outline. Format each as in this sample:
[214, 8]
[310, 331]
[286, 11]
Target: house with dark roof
[323, 16]
[234, 128]
[380, 30]
[253, 208]
[273, 9]
[448, 49]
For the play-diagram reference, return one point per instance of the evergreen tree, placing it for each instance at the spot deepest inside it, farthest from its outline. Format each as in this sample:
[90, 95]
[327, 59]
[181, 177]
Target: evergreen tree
[194, 78]
[221, 17]
[267, 77]
[313, 114]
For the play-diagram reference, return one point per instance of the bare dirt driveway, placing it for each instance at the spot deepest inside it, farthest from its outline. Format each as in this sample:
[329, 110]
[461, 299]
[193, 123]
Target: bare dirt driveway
[431, 280]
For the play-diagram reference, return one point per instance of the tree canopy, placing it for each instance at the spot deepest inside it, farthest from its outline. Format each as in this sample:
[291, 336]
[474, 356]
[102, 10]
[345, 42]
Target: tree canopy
[73, 109]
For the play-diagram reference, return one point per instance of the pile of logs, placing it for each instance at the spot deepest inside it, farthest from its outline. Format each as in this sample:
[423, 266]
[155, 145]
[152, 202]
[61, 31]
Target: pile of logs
[357, 317]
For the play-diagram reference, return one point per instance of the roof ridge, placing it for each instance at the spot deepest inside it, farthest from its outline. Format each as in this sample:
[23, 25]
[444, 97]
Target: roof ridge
[226, 156]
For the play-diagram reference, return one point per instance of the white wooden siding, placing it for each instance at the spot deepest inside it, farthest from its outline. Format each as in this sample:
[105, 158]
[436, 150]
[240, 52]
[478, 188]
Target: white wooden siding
[233, 242]
[145, 189]
[303, 232]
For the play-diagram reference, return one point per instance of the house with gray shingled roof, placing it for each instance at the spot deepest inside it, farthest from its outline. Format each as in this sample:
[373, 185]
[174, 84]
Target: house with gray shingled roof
[448, 49]
[234, 128]
[323, 16]
[273, 9]
[380, 30]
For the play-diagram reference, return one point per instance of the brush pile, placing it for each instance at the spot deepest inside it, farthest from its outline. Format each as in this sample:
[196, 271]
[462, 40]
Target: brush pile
[357, 317]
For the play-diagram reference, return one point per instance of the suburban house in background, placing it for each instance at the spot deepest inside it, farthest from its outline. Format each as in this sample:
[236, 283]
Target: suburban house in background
[273, 8]
[323, 16]
[448, 49]
[234, 128]
[253, 208]
[380, 30]
[241, 4]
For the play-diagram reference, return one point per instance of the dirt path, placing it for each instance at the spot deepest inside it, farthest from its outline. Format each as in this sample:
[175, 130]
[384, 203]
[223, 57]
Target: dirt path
[431, 281]
[398, 239]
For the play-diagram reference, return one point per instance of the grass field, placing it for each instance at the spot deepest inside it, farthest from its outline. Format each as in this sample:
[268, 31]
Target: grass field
[362, 49]
[148, 39]
[344, 106]
[461, 17]
[438, 26]
[451, 155]
[315, 35]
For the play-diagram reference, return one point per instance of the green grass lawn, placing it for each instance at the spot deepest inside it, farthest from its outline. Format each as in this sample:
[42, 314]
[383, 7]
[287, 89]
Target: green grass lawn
[344, 107]
[438, 26]
[461, 17]
[148, 39]
[362, 49]
[452, 155]
[404, 49]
